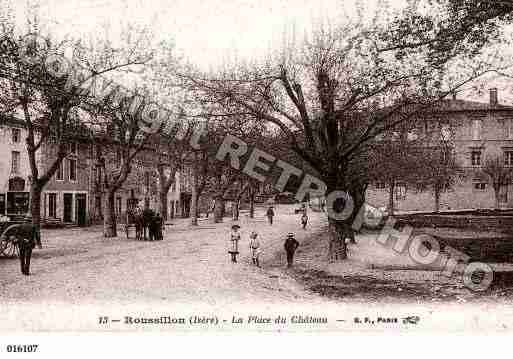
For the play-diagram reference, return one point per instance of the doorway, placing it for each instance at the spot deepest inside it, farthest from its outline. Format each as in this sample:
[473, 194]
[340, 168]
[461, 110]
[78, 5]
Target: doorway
[68, 208]
[80, 209]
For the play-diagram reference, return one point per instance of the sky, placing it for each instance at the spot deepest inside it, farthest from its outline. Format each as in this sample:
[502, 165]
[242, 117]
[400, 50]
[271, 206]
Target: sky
[209, 32]
[206, 31]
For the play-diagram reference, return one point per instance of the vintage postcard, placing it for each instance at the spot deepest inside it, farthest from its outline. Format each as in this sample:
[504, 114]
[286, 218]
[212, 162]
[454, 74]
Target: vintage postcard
[255, 166]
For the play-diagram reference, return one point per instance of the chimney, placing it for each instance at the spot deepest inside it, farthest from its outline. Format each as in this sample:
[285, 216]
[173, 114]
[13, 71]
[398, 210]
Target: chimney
[494, 99]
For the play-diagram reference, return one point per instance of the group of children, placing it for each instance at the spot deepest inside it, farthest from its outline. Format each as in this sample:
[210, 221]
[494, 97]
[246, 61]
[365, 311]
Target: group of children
[290, 246]
[254, 245]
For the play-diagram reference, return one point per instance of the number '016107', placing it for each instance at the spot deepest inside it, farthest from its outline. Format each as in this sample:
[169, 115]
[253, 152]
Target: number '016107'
[19, 348]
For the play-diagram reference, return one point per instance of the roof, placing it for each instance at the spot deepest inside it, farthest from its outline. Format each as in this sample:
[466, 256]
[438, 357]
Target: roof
[464, 105]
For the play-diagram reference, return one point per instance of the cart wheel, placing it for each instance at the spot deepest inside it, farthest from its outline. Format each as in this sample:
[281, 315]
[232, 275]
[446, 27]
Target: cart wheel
[8, 248]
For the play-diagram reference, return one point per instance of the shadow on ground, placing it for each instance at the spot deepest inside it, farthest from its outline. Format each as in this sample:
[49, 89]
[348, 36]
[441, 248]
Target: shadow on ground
[374, 286]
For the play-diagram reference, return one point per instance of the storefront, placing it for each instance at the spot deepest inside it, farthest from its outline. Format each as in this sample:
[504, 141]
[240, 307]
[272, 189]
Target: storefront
[17, 200]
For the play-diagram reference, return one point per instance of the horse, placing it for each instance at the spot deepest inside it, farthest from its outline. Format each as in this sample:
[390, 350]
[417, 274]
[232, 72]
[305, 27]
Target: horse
[143, 221]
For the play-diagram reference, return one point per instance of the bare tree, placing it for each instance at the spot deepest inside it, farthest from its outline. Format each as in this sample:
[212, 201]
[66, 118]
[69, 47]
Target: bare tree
[331, 96]
[124, 138]
[395, 159]
[42, 85]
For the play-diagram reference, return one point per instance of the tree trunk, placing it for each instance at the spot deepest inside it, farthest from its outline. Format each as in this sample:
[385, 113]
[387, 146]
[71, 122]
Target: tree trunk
[218, 210]
[35, 208]
[391, 189]
[235, 209]
[337, 237]
[252, 205]
[98, 213]
[109, 216]
[194, 203]
[437, 200]
[497, 194]
[163, 203]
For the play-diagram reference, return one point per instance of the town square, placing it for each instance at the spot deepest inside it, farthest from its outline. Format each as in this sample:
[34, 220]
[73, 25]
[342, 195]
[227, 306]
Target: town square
[344, 167]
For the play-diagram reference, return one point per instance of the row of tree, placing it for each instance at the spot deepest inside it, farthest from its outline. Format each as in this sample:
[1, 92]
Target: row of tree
[321, 101]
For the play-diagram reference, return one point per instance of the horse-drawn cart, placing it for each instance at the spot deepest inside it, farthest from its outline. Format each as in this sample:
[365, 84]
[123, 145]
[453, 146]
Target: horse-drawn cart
[7, 246]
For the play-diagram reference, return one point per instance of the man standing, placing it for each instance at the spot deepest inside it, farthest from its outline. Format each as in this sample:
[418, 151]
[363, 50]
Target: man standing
[291, 245]
[26, 236]
[159, 224]
[270, 215]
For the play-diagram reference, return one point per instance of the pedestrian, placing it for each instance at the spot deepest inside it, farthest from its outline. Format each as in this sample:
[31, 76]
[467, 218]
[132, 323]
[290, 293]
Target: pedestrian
[159, 224]
[291, 245]
[26, 236]
[234, 242]
[254, 247]
[270, 215]
[304, 220]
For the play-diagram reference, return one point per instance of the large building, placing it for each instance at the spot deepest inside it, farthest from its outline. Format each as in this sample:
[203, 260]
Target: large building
[478, 131]
[74, 194]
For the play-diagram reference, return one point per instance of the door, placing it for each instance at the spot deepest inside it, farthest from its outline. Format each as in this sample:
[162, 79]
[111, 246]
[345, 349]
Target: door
[80, 208]
[68, 207]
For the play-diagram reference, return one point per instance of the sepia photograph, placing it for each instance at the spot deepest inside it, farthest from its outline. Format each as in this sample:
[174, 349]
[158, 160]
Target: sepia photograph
[238, 166]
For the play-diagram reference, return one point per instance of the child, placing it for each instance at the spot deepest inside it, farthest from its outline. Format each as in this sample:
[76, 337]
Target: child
[254, 247]
[304, 220]
[234, 242]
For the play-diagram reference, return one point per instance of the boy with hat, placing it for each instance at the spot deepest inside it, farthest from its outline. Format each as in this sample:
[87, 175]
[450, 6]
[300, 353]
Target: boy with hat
[291, 245]
[234, 242]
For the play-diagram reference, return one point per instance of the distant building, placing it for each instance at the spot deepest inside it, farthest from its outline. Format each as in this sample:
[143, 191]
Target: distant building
[477, 130]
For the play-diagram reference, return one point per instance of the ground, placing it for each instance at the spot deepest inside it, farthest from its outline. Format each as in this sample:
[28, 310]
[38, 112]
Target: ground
[78, 267]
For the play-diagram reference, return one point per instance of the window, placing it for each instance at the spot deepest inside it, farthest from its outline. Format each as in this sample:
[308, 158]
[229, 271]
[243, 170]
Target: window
[475, 158]
[15, 162]
[477, 129]
[60, 173]
[400, 191]
[16, 134]
[52, 205]
[480, 186]
[508, 128]
[508, 158]
[72, 167]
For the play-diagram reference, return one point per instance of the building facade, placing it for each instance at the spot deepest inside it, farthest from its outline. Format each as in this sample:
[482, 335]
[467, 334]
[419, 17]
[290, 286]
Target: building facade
[477, 131]
[65, 198]
[15, 174]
